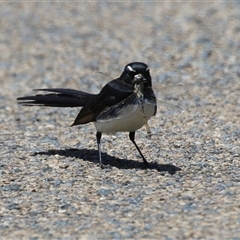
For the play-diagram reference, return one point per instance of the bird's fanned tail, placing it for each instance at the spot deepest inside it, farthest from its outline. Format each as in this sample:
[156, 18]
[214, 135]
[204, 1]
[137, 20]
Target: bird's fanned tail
[58, 97]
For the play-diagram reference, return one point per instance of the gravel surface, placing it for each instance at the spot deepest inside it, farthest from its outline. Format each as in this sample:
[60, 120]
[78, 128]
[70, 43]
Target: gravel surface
[51, 184]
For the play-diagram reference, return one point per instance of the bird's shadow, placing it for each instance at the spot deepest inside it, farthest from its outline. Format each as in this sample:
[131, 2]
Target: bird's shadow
[91, 155]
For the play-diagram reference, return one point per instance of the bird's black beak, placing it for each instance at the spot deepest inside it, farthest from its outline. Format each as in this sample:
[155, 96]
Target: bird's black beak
[139, 78]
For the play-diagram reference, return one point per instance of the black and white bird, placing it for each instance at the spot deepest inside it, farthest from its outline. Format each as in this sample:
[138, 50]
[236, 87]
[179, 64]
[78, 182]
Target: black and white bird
[123, 105]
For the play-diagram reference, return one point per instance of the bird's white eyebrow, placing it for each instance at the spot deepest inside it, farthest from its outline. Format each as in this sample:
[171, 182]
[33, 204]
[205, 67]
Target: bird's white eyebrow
[130, 69]
[148, 69]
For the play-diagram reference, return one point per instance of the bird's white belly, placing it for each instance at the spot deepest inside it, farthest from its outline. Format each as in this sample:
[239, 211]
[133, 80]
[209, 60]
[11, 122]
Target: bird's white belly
[128, 123]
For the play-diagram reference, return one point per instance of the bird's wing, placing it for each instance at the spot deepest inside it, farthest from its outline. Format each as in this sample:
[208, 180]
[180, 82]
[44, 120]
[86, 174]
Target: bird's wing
[112, 94]
[120, 110]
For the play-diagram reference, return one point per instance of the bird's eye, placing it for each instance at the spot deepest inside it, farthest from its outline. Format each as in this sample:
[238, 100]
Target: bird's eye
[131, 74]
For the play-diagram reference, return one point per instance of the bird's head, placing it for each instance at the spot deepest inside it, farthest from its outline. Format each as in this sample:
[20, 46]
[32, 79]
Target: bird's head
[137, 73]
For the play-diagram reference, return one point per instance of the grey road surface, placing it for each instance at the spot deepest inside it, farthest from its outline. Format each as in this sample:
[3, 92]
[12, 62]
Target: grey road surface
[51, 184]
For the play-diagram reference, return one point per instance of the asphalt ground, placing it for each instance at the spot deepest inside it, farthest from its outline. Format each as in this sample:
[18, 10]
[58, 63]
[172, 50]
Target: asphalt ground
[51, 184]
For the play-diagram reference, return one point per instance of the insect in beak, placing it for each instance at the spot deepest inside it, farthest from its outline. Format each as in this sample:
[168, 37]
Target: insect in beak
[139, 79]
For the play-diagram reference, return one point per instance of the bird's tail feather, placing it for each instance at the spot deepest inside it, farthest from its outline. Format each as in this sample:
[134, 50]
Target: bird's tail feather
[58, 97]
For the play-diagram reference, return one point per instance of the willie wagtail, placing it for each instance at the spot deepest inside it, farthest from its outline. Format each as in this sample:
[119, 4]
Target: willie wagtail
[123, 105]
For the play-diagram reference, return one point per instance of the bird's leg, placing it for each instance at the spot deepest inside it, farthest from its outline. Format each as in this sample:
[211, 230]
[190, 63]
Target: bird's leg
[99, 135]
[132, 138]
